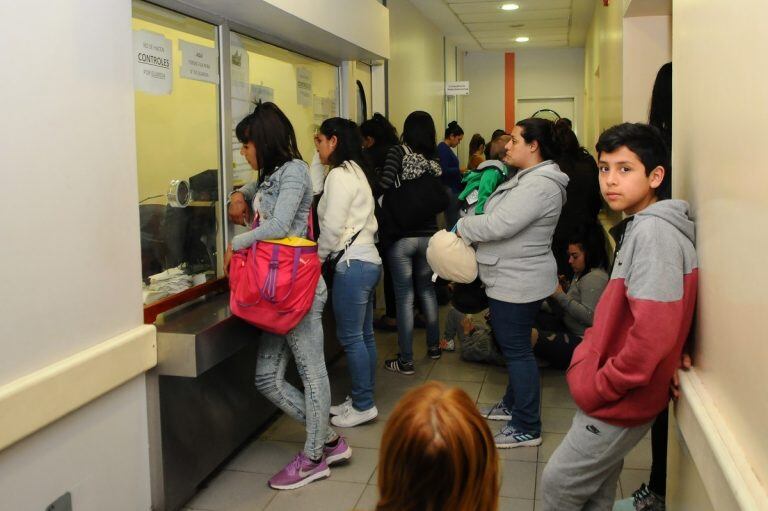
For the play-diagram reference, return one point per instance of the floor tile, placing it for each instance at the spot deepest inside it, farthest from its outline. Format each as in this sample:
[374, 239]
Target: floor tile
[319, 496]
[491, 392]
[558, 397]
[631, 480]
[235, 491]
[366, 435]
[285, 429]
[550, 442]
[458, 372]
[497, 375]
[470, 387]
[529, 454]
[265, 456]
[507, 504]
[368, 499]
[357, 469]
[556, 420]
[518, 479]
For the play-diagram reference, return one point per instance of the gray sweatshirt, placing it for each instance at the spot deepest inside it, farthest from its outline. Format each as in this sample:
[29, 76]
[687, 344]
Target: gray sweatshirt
[579, 303]
[514, 236]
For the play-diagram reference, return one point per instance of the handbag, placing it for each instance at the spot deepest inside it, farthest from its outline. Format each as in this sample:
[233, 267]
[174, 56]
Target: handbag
[329, 265]
[272, 282]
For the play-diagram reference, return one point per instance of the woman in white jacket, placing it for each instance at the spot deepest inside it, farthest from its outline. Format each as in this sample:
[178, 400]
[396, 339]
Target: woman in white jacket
[347, 229]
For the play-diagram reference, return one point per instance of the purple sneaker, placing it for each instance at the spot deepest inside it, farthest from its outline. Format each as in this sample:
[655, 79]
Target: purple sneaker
[341, 452]
[299, 472]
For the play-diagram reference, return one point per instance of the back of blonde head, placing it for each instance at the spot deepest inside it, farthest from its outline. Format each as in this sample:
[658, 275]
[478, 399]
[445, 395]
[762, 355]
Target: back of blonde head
[437, 454]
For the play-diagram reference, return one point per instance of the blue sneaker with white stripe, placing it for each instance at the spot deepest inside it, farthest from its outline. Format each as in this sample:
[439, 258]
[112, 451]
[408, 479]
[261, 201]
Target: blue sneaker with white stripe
[509, 437]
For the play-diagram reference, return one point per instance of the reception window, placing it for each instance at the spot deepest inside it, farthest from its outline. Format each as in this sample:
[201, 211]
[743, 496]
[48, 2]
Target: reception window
[183, 180]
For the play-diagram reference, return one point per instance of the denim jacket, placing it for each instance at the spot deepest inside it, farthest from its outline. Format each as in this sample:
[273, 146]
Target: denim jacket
[285, 198]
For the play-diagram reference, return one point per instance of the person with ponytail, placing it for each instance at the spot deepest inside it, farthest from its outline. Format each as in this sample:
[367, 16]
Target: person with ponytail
[513, 250]
[476, 151]
[437, 453]
[347, 230]
[451, 175]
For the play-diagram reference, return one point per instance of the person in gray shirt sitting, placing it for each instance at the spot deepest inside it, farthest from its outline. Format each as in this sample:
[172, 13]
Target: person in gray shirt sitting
[568, 312]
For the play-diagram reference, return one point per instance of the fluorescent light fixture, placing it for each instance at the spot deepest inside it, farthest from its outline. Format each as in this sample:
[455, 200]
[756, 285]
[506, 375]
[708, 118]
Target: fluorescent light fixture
[509, 7]
[521, 39]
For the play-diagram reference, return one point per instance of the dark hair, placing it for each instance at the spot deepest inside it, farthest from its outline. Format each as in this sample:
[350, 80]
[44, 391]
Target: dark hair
[475, 143]
[453, 129]
[271, 132]
[349, 146]
[496, 134]
[646, 142]
[380, 130]
[591, 239]
[660, 115]
[571, 150]
[419, 133]
[542, 131]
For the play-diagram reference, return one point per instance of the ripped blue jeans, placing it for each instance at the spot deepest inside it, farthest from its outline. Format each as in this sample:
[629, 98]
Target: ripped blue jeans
[305, 344]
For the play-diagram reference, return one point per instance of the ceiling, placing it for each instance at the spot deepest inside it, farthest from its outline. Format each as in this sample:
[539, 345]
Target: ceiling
[482, 24]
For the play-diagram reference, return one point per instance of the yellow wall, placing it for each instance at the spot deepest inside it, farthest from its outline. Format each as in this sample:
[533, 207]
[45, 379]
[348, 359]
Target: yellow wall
[720, 104]
[602, 73]
[177, 135]
[415, 66]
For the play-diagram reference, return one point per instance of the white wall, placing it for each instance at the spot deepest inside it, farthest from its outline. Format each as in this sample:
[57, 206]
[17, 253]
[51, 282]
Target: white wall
[647, 46]
[551, 73]
[70, 237]
[483, 109]
[416, 80]
[719, 111]
[538, 73]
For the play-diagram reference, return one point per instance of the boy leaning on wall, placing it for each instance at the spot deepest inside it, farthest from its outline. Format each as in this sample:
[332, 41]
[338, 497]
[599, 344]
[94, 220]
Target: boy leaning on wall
[620, 373]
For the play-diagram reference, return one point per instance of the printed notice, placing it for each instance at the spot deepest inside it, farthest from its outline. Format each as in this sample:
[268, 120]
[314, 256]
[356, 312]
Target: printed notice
[152, 71]
[239, 67]
[262, 93]
[199, 62]
[304, 86]
[456, 88]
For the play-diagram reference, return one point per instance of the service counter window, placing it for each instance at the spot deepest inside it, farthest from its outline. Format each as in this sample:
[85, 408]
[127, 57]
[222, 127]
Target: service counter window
[305, 89]
[176, 77]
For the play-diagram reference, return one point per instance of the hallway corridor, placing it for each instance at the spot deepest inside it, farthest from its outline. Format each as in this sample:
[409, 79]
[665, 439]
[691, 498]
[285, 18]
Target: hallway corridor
[242, 484]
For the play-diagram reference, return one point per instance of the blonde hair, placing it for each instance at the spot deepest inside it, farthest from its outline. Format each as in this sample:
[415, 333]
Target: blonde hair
[437, 454]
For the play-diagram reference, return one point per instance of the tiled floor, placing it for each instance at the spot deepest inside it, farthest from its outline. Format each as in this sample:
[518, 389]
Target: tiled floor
[242, 484]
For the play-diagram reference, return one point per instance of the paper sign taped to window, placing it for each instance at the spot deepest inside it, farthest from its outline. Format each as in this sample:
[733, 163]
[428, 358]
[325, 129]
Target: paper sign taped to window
[152, 61]
[304, 86]
[199, 62]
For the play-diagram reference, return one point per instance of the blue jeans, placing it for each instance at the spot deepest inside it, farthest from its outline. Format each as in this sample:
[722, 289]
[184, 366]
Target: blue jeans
[408, 261]
[354, 286]
[512, 324]
[305, 344]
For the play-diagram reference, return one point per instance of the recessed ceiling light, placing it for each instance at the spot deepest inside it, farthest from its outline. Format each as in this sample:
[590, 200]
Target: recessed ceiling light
[509, 7]
[521, 39]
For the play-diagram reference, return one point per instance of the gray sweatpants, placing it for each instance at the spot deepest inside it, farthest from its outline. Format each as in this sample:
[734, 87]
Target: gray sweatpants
[583, 471]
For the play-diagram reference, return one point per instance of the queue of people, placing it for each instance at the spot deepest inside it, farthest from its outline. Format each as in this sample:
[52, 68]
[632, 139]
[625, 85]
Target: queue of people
[378, 210]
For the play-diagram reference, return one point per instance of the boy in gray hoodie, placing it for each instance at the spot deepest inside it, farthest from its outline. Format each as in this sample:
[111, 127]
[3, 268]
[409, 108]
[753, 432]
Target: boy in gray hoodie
[620, 373]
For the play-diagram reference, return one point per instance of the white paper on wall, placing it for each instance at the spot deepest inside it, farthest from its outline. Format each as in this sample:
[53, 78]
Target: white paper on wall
[262, 93]
[304, 86]
[199, 62]
[152, 61]
[239, 68]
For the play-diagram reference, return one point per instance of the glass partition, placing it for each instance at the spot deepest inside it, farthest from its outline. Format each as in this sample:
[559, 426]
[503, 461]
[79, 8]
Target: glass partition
[176, 76]
[306, 90]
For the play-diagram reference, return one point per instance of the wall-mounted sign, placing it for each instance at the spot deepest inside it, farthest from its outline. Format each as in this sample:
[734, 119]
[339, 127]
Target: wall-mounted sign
[456, 88]
[262, 93]
[199, 62]
[152, 61]
[304, 86]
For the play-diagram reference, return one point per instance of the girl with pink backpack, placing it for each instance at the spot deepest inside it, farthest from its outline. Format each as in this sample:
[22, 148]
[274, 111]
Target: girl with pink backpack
[281, 200]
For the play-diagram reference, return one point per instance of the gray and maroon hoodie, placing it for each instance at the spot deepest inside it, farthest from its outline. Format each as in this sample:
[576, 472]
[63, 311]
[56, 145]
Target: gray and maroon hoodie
[621, 371]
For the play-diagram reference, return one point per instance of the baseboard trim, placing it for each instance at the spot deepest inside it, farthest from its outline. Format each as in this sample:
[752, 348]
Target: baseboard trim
[719, 458]
[40, 398]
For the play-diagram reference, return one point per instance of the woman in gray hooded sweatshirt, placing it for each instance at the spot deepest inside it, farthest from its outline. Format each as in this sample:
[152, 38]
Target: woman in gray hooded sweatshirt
[513, 240]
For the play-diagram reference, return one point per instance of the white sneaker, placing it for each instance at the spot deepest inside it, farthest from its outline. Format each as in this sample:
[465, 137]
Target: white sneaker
[352, 417]
[339, 409]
